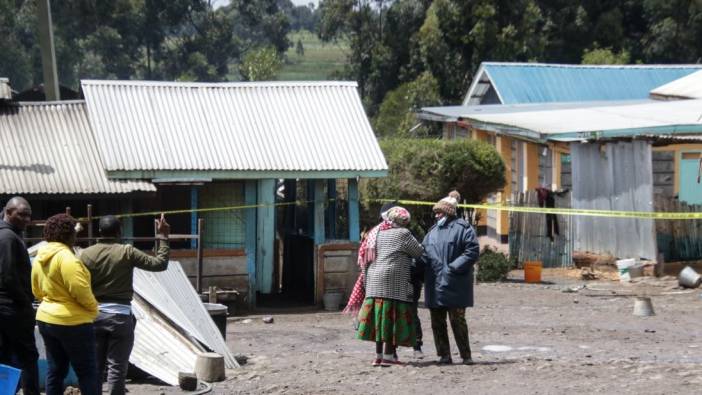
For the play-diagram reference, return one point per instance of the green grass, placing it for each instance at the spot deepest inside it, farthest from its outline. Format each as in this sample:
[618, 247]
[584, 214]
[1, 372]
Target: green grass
[319, 62]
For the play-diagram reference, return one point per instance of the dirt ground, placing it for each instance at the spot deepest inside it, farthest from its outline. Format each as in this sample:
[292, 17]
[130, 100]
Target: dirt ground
[551, 338]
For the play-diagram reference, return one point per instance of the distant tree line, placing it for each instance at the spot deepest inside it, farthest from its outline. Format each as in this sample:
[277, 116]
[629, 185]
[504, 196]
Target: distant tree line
[404, 54]
[151, 39]
[398, 46]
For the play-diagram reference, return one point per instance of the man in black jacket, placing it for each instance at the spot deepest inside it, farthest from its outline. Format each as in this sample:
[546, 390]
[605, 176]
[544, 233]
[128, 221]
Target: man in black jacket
[16, 313]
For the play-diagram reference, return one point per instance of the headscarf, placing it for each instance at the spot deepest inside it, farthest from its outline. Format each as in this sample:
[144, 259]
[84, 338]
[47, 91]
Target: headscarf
[398, 216]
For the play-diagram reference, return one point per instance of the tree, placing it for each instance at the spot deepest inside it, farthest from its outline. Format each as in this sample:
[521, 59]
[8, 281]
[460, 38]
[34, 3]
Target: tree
[605, 56]
[18, 47]
[378, 33]
[136, 39]
[396, 117]
[426, 169]
[261, 64]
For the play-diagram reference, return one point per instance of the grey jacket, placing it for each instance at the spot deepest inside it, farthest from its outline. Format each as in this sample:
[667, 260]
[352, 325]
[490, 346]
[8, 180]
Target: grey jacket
[388, 277]
[450, 251]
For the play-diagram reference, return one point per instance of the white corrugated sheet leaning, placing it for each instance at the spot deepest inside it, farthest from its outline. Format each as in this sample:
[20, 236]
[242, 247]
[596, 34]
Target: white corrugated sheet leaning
[171, 293]
[159, 349]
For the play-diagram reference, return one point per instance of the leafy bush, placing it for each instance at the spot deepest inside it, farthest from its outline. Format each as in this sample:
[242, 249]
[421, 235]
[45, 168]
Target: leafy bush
[427, 169]
[261, 64]
[493, 266]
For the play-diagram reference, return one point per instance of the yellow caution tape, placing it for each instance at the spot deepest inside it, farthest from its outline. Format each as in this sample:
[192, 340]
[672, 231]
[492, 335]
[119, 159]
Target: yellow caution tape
[496, 206]
[562, 211]
[199, 210]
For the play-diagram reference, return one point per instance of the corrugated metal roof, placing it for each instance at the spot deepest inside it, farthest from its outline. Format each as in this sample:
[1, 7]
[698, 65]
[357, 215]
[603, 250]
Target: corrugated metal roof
[49, 148]
[159, 350]
[688, 87]
[266, 126]
[542, 83]
[454, 113]
[172, 294]
[610, 120]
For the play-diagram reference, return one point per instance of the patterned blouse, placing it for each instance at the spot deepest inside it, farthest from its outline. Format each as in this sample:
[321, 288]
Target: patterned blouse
[388, 277]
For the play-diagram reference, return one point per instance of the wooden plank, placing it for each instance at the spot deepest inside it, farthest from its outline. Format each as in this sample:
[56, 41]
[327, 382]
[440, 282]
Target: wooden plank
[338, 264]
[208, 253]
[335, 281]
[218, 266]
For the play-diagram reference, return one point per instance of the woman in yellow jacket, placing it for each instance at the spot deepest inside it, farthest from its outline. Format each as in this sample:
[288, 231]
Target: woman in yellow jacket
[68, 308]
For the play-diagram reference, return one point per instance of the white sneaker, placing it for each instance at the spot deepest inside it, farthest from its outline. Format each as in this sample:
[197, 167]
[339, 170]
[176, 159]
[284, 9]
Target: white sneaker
[418, 354]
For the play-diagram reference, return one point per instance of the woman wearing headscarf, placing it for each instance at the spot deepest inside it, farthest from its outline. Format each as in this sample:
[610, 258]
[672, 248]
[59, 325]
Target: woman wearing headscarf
[386, 316]
[67, 310]
[358, 293]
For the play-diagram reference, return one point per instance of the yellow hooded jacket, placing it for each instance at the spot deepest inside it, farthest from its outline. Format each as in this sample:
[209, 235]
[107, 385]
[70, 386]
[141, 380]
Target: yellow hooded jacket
[61, 283]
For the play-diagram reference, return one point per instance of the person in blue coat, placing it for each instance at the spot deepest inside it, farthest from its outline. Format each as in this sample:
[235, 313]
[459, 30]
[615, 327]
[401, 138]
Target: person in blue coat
[450, 251]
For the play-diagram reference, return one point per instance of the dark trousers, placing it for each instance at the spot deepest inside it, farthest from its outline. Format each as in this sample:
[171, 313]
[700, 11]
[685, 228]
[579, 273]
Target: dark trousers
[457, 317]
[114, 334]
[74, 345]
[417, 291]
[18, 347]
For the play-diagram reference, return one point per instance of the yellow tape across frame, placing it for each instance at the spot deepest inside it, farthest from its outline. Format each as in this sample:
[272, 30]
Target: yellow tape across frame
[498, 206]
[563, 211]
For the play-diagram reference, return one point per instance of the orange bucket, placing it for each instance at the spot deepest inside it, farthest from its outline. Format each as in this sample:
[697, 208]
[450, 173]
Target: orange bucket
[532, 271]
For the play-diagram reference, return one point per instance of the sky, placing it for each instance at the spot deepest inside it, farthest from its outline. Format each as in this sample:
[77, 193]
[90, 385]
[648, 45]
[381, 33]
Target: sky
[305, 2]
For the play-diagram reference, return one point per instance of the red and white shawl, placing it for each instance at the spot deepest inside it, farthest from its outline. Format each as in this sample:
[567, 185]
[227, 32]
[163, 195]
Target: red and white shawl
[366, 256]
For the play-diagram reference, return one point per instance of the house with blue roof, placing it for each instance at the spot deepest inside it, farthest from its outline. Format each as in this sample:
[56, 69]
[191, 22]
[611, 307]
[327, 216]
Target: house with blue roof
[531, 163]
[522, 83]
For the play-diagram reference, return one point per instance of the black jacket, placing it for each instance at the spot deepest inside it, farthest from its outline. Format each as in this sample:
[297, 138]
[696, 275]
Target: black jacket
[15, 269]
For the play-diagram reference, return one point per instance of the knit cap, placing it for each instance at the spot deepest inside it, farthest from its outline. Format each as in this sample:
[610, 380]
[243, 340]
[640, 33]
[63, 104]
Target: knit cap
[448, 204]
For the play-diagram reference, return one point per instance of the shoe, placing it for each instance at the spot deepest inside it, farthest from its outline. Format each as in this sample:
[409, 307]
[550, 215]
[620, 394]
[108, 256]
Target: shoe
[444, 361]
[390, 362]
[418, 354]
[468, 361]
[381, 362]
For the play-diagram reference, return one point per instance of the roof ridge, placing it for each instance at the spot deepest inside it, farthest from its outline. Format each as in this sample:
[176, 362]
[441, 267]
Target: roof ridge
[595, 66]
[49, 103]
[254, 84]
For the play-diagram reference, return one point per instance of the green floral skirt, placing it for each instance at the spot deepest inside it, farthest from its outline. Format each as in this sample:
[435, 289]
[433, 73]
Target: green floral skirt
[387, 321]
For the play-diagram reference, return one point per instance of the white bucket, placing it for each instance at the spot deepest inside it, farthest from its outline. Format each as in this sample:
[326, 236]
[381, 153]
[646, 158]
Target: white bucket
[624, 267]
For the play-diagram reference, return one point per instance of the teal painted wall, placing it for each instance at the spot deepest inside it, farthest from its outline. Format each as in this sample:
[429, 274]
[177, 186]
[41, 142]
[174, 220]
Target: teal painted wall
[690, 190]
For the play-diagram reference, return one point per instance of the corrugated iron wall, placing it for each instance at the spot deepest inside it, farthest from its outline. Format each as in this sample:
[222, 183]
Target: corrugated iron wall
[528, 233]
[614, 176]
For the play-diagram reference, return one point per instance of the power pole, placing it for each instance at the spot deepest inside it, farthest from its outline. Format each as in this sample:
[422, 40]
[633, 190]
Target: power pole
[48, 54]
